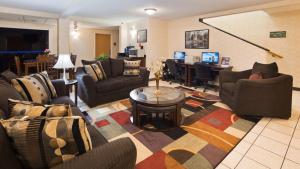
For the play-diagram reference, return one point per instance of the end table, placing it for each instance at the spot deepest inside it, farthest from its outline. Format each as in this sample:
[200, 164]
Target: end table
[69, 84]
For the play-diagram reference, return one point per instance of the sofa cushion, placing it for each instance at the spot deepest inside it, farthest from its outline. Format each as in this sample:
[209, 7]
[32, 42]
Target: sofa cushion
[88, 62]
[117, 67]
[95, 71]
[8, 76]
[63, 100]
[52, 140]
[25, 108]
[7, 92]
[267, 70]
[8, 157]
[32, 88]
[106, 67]
[131, 68]
[229, 87]
[109, 85]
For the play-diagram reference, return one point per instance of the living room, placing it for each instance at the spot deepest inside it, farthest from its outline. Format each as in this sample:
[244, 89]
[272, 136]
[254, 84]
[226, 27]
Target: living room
[149, 84]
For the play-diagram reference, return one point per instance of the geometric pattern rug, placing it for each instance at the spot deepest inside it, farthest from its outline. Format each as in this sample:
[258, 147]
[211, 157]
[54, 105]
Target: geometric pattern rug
[208, 133]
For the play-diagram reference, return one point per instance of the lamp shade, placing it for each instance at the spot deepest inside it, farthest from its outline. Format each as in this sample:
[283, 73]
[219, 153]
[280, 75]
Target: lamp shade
[64, 62]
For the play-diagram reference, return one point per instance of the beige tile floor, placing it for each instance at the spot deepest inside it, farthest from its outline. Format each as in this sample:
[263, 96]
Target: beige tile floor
[272, 143]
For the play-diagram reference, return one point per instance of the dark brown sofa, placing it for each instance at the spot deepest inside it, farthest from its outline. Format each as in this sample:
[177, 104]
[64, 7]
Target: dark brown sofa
[120, 154]
[114, 88]
[269, 97]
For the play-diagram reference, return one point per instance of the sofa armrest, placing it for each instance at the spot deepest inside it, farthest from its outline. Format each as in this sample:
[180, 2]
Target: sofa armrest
[275, 93]
[119, 154]
[230, 76]
[145, 73]
[86, 87]
[60, 87]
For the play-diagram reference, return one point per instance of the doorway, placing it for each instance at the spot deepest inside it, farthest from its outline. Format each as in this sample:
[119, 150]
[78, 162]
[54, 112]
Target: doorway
[103, 44]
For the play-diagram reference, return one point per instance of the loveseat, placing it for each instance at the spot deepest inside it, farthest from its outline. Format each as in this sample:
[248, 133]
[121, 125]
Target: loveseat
[115, 87]
[119, 154]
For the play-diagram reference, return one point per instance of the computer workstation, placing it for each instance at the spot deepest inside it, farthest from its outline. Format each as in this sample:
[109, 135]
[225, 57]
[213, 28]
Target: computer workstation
[212, 59]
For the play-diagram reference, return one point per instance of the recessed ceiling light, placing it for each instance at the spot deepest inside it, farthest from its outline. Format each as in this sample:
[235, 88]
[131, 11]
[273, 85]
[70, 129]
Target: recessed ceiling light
[150, 11]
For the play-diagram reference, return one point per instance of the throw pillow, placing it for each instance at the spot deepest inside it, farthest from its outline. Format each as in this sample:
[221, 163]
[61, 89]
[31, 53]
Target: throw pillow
[267, 70]
[43, 77]
[132, 68]
[95, 71]
[256, 76]
[42, 142]
[25, 108]
[32, 88]
[117, 67]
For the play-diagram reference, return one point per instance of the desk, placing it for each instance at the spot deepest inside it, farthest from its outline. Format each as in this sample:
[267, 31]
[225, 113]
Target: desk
[189, 70]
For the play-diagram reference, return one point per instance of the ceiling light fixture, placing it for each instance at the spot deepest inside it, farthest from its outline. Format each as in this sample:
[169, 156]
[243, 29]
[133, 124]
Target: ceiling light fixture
[150, 11]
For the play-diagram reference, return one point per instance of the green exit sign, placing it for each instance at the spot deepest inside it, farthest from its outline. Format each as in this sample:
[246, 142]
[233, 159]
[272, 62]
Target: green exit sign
[278, 34]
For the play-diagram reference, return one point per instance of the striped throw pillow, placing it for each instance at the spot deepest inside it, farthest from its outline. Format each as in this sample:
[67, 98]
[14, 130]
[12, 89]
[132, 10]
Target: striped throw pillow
[43, 142]
[32, 88]
[131, 68]
[43, 76]
[95, 71]
[25, 108]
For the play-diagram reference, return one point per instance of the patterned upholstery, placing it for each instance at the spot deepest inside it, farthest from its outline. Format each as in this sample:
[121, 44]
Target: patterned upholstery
[95, 71]
[52, 140]
[25, 108]
[131, 67]
[43, 76]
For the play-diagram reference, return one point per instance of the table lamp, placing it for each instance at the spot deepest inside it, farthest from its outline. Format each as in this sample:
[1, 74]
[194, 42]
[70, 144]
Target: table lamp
[64, 62]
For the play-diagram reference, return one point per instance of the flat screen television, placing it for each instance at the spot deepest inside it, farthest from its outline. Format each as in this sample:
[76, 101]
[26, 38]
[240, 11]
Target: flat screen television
[14, 40]
[179, 55]
[210, 57]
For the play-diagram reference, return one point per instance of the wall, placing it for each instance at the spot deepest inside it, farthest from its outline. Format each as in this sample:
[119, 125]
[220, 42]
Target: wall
[254, 26]
[84, 46]
[23, 25]
[156, 47]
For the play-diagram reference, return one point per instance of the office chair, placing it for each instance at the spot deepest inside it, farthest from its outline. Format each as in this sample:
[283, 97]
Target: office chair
[203, 74]
[175, 71]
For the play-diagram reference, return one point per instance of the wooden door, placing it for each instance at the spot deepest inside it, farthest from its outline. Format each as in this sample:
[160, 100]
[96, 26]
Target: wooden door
[103, 44]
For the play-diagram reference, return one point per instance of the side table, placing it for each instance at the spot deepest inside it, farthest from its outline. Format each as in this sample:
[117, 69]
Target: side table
[69, 84]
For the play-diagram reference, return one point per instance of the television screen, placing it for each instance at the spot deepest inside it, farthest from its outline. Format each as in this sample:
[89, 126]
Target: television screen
[18, 40]
[179, 55]
[210, 57]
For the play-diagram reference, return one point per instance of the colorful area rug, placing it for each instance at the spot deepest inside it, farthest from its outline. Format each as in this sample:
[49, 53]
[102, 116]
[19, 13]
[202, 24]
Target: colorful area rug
[209, 131]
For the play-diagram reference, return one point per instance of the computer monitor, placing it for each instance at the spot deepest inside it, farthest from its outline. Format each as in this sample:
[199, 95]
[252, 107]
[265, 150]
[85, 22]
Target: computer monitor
[210, 57]
[180, 56]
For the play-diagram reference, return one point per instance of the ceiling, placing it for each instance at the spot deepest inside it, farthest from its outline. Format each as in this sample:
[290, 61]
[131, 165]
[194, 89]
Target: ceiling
[118, 11]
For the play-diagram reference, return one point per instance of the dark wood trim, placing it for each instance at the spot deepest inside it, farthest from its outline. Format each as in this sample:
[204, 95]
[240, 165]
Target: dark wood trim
[296, 88]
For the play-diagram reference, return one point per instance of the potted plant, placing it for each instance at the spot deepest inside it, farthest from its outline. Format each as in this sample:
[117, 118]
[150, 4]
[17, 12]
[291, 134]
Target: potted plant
[102, 57]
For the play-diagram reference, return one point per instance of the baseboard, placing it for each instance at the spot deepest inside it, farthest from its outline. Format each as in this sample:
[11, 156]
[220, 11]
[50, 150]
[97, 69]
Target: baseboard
[296, 88]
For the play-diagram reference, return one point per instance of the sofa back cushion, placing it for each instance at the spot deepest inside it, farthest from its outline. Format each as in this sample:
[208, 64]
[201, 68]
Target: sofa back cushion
[8, 76]
[8, 158]
[88, 62]
[7, 91]
[117, 67]
[267, 70]
[52, 140]
[106, 67]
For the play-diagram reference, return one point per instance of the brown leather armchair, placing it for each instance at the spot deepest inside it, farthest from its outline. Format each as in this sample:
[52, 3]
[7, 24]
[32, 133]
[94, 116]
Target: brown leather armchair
[268, 97]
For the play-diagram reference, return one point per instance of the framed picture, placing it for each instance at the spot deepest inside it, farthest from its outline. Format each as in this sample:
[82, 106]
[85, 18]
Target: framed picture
[278, 34]
[197, 39]
[142, 36]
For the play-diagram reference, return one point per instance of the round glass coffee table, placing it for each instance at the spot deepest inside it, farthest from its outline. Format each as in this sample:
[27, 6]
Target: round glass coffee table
[168, 101]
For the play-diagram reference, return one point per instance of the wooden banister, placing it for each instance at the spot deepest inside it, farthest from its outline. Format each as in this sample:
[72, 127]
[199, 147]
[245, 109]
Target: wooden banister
[242, 39]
